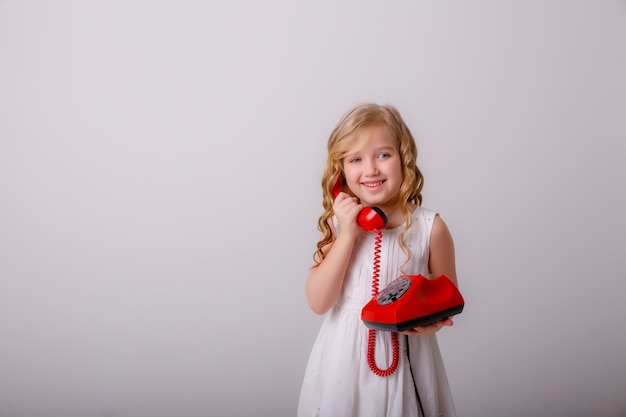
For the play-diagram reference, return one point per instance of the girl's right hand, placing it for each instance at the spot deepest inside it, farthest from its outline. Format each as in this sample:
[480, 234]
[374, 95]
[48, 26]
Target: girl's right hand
[346, 209]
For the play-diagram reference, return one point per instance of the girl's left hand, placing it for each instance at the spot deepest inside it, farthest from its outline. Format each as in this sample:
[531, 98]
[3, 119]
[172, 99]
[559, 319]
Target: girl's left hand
[430, 328]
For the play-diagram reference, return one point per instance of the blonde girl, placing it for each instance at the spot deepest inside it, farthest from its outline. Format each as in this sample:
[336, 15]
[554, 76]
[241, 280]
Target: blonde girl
[373, 152]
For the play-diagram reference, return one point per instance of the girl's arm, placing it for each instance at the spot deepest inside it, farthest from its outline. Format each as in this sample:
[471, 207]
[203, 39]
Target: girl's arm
[442, 258]
[441, 262]
[325, 280]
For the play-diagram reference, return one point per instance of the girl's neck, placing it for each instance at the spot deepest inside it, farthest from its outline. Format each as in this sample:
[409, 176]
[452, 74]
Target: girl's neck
[394, 214]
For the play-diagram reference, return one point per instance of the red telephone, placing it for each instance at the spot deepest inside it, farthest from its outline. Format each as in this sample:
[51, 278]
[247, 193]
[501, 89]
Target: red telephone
[411, 301]
[370, 218]
[407, 302]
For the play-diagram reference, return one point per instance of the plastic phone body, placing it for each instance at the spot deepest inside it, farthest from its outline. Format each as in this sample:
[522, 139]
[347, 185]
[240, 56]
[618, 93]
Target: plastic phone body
[370, 218]
[410, 301]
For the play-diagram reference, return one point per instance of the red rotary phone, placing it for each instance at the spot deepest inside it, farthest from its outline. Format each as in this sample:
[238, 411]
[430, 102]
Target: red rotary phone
[411, 301]
[407, 302]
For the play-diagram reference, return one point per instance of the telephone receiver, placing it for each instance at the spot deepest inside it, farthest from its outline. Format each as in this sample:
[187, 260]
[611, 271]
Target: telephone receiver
[370, 218]
[410, 301]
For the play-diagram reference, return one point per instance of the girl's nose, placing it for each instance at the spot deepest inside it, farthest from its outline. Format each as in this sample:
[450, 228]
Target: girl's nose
[372, 168]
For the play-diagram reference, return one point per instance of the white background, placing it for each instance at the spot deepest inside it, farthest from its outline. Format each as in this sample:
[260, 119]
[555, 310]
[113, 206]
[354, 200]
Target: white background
[159, 192]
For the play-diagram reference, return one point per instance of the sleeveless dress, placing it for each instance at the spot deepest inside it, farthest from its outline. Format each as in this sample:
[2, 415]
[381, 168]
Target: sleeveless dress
[338, 381]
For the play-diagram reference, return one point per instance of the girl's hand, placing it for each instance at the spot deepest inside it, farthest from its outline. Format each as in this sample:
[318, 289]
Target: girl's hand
[430, 328]
[346, 208]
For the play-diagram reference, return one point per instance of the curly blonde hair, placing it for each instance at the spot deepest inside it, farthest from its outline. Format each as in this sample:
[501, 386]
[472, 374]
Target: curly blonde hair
[339, 143]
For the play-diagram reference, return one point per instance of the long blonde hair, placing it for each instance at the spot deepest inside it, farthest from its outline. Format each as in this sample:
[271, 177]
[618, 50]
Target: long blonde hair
[342, 138]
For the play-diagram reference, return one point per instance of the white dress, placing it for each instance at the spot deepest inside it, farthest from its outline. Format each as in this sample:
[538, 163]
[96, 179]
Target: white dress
[338, 381]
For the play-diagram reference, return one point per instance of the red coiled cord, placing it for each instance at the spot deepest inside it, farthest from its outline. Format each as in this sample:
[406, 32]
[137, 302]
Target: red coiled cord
[371, 334]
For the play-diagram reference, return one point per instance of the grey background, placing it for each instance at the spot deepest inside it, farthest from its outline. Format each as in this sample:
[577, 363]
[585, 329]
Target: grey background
[159, 192]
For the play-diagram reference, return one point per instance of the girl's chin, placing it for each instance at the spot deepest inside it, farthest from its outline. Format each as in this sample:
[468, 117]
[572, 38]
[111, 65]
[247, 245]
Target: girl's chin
[373, 203]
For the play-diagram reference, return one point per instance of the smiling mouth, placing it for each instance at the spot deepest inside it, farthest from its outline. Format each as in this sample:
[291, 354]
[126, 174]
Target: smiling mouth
[372, 184]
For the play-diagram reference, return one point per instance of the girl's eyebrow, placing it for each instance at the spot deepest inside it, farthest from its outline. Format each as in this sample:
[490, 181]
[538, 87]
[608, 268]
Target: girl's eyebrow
[385, 148]
[376, 150]
[381, 148]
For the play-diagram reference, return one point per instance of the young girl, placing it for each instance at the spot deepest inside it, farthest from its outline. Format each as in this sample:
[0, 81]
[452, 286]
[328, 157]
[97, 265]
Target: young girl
[374, 153]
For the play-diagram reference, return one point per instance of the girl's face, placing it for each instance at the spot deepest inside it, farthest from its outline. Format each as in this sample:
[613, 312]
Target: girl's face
[373, 168]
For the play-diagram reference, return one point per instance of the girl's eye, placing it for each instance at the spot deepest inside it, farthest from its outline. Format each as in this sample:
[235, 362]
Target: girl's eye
[384, 155]
[353, 160]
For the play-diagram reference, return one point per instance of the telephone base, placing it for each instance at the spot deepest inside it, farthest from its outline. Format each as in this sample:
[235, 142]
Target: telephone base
[416, 322]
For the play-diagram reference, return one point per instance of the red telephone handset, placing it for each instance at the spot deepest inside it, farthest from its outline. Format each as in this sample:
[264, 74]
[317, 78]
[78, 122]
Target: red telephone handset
[370, 218]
